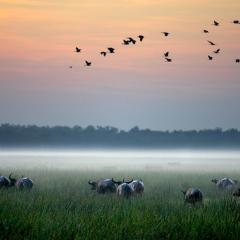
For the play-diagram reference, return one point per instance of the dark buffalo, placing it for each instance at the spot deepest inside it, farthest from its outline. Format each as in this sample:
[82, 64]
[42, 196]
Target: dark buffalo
[7, 182]
[193, 195]
[103, 186]
[24, 183]
[137, 187]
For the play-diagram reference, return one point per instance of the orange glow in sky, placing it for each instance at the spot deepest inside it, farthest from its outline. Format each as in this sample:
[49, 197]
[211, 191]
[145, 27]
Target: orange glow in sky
[37, 43]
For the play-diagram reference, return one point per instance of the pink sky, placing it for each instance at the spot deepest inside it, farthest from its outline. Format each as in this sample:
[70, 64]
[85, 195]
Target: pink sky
[133, 87]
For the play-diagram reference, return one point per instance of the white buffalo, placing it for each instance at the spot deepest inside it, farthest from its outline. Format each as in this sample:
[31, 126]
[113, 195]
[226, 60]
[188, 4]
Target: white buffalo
[225, 183]
[124, 190]
[137, 187]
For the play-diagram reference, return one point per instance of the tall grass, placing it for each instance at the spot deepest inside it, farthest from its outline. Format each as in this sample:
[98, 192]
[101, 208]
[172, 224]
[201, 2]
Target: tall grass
[62, 206]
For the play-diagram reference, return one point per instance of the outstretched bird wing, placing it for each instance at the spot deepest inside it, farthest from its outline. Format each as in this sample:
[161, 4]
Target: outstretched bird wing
[211, 43]
[168, 59]
[217, 51]
[78, 49]
[88, 63]
[166, 54]
[111, 50]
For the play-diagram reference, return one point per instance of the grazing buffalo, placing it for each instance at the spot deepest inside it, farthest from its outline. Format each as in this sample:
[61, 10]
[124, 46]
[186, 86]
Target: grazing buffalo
[225, 183]
[24, 183]
[4, 182]
[7, 182]
[124, 190]
[193, 195]
[104, 185]
[137, 187]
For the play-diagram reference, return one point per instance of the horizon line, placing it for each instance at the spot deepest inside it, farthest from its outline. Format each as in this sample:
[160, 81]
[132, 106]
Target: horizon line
[118, 128]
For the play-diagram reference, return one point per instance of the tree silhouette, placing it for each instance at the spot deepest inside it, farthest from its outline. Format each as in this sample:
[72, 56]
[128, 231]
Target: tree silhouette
[91, 136]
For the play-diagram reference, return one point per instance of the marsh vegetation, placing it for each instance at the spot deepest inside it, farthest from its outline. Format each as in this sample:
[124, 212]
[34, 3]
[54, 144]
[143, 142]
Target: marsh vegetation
[62, 205]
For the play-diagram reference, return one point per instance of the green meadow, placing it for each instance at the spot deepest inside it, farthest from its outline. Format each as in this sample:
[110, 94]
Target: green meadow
[61, 205]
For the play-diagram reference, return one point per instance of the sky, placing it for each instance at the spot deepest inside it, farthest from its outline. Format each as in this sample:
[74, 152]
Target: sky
[134, 86]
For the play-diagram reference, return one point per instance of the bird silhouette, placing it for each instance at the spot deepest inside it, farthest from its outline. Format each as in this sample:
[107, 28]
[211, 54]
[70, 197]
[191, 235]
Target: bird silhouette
[111, 50]
[78, 50]
[103, 53]
[141, 37]
[211, 43]
[237, 60]
[166, 54]
[205, 31]
[215, 23]
[125, 42]
[210, 58]
[217, 51]
[70, 66]
[88, 64]
[133, 41]
[236, 22]
[165, 33]
[168, 59]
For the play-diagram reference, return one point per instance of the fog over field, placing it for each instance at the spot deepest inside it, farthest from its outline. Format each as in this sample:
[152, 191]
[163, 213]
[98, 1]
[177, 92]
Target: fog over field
[178, 160]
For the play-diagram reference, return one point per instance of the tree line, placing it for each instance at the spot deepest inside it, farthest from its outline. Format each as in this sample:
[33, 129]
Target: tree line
[91, 136]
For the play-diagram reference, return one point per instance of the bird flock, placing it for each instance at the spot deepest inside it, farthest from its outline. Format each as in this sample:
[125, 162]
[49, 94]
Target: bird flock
[217, 51]
[166, 55]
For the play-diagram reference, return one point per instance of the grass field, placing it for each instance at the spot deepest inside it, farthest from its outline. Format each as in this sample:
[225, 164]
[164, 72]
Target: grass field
[61, 205]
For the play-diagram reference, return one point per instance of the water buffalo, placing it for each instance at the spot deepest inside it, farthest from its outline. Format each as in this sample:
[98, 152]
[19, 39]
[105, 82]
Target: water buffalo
[137, 186]
[124, 190]
[225, 183]
[24, 183]
[104, 185]
[7, 182]
[4, 182]
[193, 195]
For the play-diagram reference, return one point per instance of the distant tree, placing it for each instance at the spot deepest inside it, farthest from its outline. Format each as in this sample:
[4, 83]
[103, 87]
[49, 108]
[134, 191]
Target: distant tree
[108, 136]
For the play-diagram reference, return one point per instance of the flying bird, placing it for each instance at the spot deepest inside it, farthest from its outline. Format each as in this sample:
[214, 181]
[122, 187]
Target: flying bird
[237, 60]
[166, 54]
[103, 53]
[70, 66]
[210, 58]
[217, 51]
[78, 50]
[211, 43]
[111, 50]
[88, 64]
[168, 59]
[236, 22]
[205, 31]
[165, 33]
[133, 41]
[125, 42]
[141, 37]
[215, 23]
